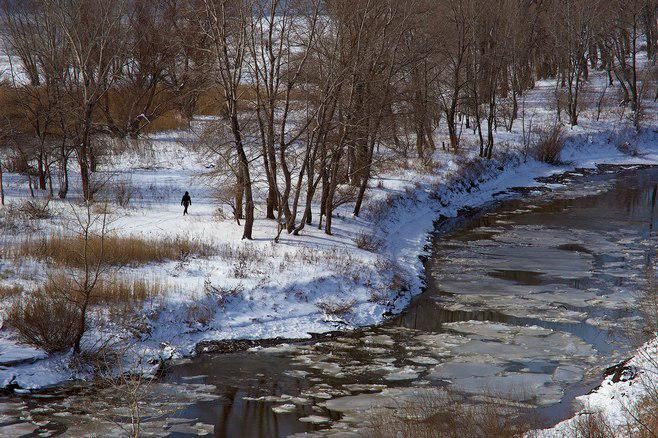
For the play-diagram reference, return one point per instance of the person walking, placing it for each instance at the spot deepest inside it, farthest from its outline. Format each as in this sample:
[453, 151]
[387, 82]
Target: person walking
[186, 202]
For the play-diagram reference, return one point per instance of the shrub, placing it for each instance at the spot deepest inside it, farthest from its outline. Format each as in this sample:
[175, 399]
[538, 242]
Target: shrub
[45, 320]
[628, 148]
[336, 308]
[199, 314]
[368, 242]
[124, 193]
[35, 208]
[549, 145]
[592, 425]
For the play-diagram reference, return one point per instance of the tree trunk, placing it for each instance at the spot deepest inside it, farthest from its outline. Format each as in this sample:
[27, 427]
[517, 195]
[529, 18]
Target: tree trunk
[246, 177]
[2, 187]
[84, 173]
[41, 172]
[331, 191]
[64, 176]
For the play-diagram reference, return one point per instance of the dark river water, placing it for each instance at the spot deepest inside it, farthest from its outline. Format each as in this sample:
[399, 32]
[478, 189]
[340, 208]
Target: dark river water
[528, 299]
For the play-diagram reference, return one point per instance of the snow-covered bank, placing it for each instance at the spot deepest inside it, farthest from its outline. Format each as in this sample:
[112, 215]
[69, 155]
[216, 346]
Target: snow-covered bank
[615, 401]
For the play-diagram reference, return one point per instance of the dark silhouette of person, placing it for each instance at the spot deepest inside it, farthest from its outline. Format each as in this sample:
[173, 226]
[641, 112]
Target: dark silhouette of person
[186, 202]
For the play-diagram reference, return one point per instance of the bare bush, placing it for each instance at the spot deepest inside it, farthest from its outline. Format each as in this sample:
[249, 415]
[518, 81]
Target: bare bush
[222, 294]
[398, 280]
[35, 208]
[368, 242]
[549, 145]
[199, 314]
[124, 193]
[241, 266]
[628, 148]
[45, 320]
[592, 425]
[336, 308]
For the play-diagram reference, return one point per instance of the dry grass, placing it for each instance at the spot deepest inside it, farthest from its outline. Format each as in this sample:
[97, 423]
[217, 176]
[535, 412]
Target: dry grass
[127, 291]
[646, 416]
[549, 145]
[67, 251]
[172, 120]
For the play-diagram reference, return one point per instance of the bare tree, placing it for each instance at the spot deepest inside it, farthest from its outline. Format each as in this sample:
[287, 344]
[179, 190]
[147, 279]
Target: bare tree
[225, 24]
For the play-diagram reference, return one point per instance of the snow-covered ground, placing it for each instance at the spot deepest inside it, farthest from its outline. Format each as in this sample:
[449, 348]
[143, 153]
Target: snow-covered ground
[261, 289]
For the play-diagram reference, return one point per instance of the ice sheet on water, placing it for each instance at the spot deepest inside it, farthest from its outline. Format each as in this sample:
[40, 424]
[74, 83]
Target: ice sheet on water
[388, 398]
[11, 353]
[513, 386]
[284, 409]
[405, 373]
[568, 374]
[379, 340]
[500, 331]
[423, 360]
[315, 419]
[458, 369]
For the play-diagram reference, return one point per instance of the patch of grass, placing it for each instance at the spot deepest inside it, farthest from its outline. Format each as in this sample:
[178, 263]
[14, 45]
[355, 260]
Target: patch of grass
[67, 251]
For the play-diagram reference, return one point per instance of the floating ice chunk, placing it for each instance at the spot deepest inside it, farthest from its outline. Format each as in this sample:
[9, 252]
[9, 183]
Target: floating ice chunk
[328, 368]
[296, 373]
[423, 360]
[406, 373]
[568, 374]
[441, 340]
[491, 330]
[378, 340]
[457, 370]
[513, 386]
[284, 409]
[388, 398]
[277, 349]
[315, 419]
[362, 387]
